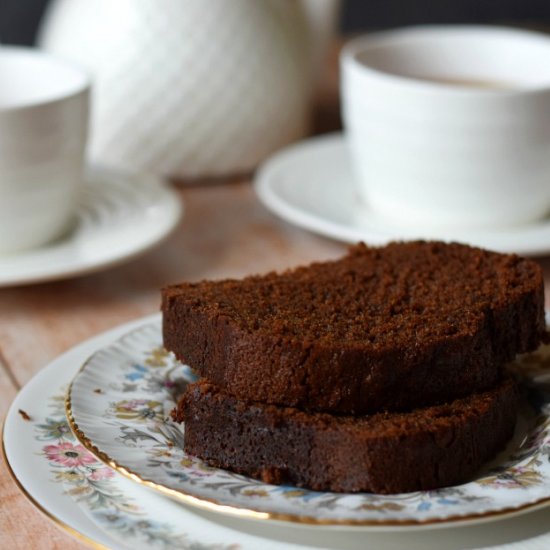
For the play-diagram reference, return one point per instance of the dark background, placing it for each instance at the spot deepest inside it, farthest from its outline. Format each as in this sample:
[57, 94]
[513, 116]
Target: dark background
[20, 18]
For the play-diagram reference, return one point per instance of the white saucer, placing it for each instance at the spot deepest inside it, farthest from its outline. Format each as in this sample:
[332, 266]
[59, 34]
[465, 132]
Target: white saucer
[109, 510]
[119, 216]
[311, 184]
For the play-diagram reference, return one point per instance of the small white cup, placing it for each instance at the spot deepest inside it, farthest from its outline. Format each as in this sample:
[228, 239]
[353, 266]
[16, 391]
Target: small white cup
[44, 105]
[449, 127]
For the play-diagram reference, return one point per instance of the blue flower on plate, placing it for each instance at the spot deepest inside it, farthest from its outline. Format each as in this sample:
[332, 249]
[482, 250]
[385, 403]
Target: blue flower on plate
[289, 491]
[54, 428]
[447, 501]
[180, 476]
[138, 374]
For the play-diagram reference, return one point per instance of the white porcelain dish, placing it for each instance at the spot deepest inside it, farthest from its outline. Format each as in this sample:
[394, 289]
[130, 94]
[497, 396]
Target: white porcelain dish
[119, 216]
[312, 185]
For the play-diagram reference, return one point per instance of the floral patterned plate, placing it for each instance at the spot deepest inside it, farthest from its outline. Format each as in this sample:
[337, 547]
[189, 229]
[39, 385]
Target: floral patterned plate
[89, 500]
[119, 402]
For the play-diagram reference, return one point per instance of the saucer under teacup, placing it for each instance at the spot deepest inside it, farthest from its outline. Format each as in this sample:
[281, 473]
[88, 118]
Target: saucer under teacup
[118, 216]
[312, 184]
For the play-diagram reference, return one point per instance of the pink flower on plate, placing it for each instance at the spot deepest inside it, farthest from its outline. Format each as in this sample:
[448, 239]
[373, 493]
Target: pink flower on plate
[69, 455]
[101, 473]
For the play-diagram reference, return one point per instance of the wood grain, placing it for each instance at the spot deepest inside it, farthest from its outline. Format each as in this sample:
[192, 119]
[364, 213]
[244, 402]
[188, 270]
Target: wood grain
[8, 388]
[23, 526]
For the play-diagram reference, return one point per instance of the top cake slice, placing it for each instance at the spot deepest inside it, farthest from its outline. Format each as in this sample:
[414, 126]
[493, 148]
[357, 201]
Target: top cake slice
[391, 328]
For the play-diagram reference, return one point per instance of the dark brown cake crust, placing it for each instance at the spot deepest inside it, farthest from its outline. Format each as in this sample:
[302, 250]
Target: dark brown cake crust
[392, 328]
[382, 453]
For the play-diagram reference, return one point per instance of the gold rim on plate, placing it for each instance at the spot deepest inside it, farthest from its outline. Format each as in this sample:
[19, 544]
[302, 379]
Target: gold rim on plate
[213, 505]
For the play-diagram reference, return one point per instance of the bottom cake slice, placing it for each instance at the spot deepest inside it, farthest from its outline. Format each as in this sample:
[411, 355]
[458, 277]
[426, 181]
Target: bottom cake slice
[423, 449]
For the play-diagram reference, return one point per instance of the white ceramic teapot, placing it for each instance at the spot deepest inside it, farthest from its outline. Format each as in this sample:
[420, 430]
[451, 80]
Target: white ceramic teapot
[191, 88]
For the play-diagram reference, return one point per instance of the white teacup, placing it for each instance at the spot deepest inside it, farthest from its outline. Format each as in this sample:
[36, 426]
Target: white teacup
[450, 126]
[44, 106]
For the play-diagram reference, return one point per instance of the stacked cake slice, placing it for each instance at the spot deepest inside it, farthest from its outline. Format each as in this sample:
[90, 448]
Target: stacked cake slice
[381, 371]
